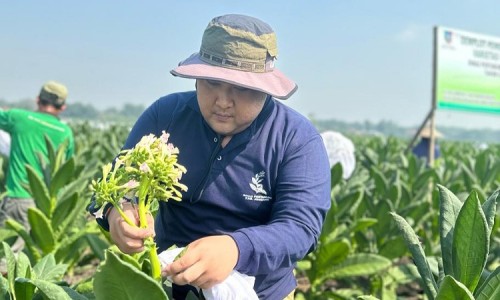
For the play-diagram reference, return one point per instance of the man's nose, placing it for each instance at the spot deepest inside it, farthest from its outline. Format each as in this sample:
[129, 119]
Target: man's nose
[224, 98]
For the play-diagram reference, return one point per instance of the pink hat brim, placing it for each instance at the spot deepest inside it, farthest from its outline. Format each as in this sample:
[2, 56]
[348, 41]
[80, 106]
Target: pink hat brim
[273, 83]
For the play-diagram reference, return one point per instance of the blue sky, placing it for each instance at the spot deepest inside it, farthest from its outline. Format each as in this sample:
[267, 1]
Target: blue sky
[352, 60]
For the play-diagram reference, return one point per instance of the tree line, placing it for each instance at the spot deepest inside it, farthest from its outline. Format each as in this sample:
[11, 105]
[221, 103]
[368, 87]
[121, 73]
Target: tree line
[128, 113]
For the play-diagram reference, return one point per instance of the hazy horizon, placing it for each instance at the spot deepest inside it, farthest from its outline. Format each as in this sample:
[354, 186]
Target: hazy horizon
[352, 61]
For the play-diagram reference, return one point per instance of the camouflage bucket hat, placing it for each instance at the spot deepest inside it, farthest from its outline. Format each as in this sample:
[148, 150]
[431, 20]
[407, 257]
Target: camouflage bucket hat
[239, 50]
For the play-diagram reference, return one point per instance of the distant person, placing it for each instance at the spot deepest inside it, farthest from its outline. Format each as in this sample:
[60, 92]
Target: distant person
[340, 149]
[27, 131]
[421, 149]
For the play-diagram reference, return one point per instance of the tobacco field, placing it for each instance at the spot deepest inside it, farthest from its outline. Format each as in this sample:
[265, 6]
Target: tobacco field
[398, 229]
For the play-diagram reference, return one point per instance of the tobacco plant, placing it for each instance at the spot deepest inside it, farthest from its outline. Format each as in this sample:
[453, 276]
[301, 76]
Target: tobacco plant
[465, 230]
[145, 174]
[58, 223]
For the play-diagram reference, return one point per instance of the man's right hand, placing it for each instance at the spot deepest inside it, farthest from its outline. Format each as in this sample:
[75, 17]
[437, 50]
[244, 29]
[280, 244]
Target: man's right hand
[129, 239]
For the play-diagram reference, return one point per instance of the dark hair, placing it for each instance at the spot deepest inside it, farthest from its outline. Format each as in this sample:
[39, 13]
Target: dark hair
[47, 98]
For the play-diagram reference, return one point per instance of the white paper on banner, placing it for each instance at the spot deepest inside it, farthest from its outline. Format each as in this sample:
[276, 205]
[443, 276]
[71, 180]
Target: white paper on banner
[236, 285]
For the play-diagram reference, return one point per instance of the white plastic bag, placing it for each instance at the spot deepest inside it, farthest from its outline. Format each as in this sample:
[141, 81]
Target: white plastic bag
[236, 285]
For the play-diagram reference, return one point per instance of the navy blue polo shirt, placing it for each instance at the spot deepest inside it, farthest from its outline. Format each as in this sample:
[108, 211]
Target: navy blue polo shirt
[268, 188]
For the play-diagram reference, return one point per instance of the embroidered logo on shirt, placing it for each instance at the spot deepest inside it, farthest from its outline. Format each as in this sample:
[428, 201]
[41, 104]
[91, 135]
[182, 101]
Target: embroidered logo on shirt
[258, 188]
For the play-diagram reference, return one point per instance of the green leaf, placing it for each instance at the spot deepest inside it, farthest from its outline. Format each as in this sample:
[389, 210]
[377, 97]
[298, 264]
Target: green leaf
[367, 297]
[448, 212]
[418, 254]
[63, 211]
[380, 181]
[76, 217]
[393, 248]
[74, 294]
[359, 264]
[11, 265]
[50, 291]
[470, 243]
[451, 289]
[97, 244]
[4, 288]
[489, 209]
[39, 191]
[423, 179]
[362, 224]
[62, 176]
[51, 153]
[116, 279]
[383, 226]
[47, 269]
[490, 288]
[29, 243]
[23, 290]
[336, 174]
[41, 231]
[349, 203]
[23, 268]
[332, 253]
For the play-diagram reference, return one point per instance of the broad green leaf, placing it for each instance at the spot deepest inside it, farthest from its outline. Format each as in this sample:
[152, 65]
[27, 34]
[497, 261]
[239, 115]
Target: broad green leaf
[23, 267]
[97, 244]
[393, 248]
[51, 153]
[489, 209]
[359, 264]
[490, 288]
[50, 291]
[362, 224]
[418, 254]
[47, 269]
[23, 290]
[449, 207]
[451, 289]
[74, 294]
[29, 243]
[11, 265]
[384, 223]
[41, 231]
[74, 218]
[4, 288]
[39, 191]
[381, 185]
[423, 179]
[470, 243]
[332, 253]
[62, 176]
[349, 203]
[64, 208]
[116, 279]
[6, 234]
[336, 174]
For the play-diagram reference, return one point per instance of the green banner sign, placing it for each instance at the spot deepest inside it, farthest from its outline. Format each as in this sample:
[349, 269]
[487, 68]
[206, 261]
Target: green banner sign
[467, 71]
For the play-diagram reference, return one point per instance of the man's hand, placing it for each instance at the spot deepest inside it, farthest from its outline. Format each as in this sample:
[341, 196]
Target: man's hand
[129, 239]
[206, 262]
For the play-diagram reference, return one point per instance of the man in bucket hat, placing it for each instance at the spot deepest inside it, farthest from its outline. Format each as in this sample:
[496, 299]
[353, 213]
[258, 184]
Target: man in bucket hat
[28, 130]
[258, 175]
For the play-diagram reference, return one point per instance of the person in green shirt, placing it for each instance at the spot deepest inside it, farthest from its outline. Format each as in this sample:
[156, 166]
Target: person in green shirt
[27, 130]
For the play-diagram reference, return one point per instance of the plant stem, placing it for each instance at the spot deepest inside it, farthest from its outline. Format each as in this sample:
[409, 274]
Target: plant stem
[143, 223]
[124, 216]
